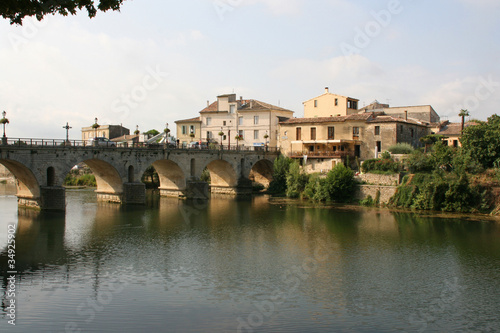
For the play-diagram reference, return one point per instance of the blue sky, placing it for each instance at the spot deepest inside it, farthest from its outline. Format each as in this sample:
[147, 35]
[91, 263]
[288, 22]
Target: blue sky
[160, 61]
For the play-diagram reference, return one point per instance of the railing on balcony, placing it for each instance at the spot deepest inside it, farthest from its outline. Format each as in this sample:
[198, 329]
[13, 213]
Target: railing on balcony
[322, 154]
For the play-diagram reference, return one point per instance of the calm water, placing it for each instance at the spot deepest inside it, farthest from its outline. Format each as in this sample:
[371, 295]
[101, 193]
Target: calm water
[248, 265]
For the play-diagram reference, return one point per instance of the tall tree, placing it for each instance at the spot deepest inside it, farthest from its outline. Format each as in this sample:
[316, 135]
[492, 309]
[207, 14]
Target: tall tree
[463, 113]
[17, 10]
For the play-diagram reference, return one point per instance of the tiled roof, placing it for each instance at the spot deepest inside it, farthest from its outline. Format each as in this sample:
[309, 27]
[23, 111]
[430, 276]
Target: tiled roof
[339, 119]
[454, 128]
[191, 120]
[245, 105]
[391, 119]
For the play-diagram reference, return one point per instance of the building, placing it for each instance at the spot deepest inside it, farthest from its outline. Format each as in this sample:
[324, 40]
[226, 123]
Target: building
[325, 141]
[187, 127]
[254, 123]
[451, 133]
[422, 113]
[107, 131]
[330, 105]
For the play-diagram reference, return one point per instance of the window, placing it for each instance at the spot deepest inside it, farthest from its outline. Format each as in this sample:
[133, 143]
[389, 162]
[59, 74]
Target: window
[411, 132]
[352, 104]
[240, 120]
[455, 143]
[232, 108]
[357, 151]
[331, 133]
[256, 120]
[240, 133]
[355, 133]
[377, 130]
[379, 146]
[298, 133]
[209, 135]
[184, 129]
[315, 103]
[191, 129]
[336, 101]
[224, 123]
[256, 134]
[209, 121]
[313, 133]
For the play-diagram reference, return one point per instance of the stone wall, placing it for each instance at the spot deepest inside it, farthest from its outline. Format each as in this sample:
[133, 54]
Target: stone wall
[375, 179]
[386, 192]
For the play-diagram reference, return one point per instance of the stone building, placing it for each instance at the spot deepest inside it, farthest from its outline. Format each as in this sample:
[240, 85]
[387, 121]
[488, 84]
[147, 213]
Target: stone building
[422, 113]
[452, 133]
[107, 131]
[324, 141]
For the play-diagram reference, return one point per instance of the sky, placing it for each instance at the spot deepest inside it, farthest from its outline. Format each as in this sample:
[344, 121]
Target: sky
[158, 61]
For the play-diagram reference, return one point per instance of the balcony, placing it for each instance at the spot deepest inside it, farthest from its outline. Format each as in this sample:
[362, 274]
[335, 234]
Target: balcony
[322, 154]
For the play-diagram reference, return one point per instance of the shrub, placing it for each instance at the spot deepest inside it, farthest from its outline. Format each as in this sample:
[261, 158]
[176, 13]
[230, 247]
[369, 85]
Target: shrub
[340, 183]
[296, 180]
[384, 165]
[316, 188]
[280, 171]
[401, 148]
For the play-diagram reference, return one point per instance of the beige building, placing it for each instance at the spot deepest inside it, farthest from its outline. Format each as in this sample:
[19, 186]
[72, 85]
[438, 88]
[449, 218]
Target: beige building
[187, 127]
[330, 105]
[256, 123]
[452, 133]
[106, 131]
[421, 113]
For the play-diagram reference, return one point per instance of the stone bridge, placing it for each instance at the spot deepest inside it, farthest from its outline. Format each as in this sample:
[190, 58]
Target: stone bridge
[40, 171]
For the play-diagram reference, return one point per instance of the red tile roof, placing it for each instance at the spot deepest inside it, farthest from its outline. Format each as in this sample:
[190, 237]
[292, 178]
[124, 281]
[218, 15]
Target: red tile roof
[245, 105]
[339, 119]
[191, 120]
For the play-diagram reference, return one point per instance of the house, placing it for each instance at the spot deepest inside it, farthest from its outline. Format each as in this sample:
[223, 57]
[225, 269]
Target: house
[323, 141]
[188, 130]
[422, 113]
[330, 105]
[253, 122]
[106, 131]
[452, 133]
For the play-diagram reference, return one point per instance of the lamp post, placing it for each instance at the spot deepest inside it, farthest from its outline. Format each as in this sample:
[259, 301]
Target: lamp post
[221, 133]
[229, 136]
[4, 121]
[167, 131]
[67, 128]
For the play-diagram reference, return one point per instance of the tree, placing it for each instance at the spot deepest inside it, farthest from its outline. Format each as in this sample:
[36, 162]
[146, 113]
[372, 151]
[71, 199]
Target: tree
[463, 113]
[430, 139]
[152, 132]
[17, 10]
[482, 141]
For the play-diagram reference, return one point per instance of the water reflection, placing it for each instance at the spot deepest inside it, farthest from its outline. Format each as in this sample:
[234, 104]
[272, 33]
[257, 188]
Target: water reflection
[219, 261]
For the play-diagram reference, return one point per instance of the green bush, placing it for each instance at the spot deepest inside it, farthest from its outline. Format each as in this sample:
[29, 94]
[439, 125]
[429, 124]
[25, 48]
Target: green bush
[296, 180]
[280, 172]
[418, 161]
[401, 148]
[316, 188]
[340, 183]
[368, 201]
[383, 165]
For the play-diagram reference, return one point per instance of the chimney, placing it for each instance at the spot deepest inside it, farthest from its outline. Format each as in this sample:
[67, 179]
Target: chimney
[327, 90]
[208, 104]
[406, 115]
[241, 99]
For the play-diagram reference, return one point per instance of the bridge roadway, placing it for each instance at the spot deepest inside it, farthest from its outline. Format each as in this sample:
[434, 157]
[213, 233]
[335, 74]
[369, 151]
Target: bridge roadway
[40, 167]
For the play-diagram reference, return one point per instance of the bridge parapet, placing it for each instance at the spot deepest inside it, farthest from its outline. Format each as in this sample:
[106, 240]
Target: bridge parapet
[41, 166]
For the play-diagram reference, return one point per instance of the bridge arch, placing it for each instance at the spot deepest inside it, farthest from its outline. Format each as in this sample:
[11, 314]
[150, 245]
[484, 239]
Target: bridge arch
[108, 179]
[28, 185]
[172, 177]
[222, 174]
[262, 172]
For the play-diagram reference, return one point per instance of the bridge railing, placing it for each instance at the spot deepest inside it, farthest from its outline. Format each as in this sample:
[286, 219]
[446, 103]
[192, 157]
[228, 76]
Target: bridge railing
[39, 143]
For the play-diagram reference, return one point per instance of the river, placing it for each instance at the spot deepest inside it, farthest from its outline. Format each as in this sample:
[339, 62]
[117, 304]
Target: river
[247, 265]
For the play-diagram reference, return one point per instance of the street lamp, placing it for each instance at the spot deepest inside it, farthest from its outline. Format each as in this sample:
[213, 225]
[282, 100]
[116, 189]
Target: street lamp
[95, 126]
[4, 121]
[229, 136]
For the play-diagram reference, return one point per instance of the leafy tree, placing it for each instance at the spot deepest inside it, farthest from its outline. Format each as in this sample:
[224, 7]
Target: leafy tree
[482, 141]
[17, 10]
[340, 183]
[152, 132]
[296, 180]
[280, 171]
[430, 139]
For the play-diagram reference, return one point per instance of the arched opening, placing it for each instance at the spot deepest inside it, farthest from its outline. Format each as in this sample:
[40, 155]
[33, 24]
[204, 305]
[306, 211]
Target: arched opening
[107, 178]
[26, 182]
[131, 177]
[222, 174]
[51, 176]
[171, 176]
[262, 173]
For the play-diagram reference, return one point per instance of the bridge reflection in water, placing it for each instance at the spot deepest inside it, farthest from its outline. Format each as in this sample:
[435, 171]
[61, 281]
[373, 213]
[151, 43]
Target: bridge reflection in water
[40, 169]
